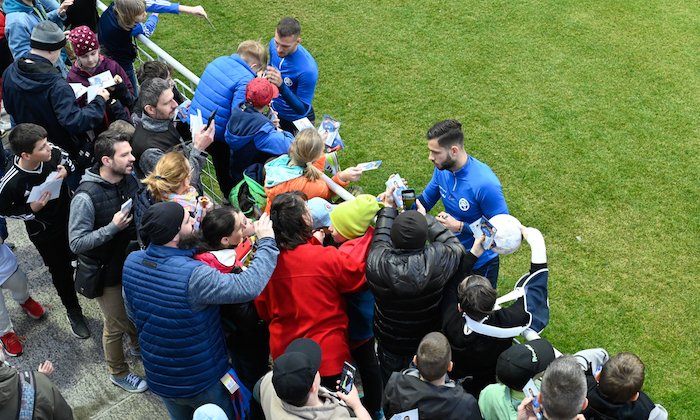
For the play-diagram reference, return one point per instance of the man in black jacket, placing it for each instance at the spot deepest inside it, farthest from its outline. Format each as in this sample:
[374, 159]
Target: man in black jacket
[35, 91]
[428, 388]
[407, 277]
[101, 230]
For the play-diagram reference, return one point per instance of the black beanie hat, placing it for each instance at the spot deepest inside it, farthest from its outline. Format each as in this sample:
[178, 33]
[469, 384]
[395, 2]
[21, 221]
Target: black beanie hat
[162, 221]
[409, 231]
[47, 36]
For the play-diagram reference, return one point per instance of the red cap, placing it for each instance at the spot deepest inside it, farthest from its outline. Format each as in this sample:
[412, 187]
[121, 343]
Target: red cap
[260, 92]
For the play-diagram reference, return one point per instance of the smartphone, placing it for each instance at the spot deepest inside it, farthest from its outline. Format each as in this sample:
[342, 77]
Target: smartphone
[211, 118]
[408, 196]
[347, 378]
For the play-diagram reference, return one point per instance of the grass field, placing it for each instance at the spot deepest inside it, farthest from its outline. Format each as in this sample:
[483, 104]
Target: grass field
[586, 110]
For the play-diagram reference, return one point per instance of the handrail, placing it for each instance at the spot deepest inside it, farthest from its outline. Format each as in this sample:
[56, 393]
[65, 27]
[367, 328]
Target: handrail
[187, 89]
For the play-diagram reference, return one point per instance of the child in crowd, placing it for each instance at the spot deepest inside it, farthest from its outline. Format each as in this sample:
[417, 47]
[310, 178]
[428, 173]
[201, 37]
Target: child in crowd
[428, 388]
[46, 219]
[479, 330]
[616, 391]
[301, 170]
[514, 368]
[89, 62]
[351, 228]
[125, 19]
[224, 240]
[12, 278]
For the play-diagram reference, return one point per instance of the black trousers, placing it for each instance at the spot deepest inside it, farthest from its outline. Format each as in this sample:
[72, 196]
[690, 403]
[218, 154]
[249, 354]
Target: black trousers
[52, 245]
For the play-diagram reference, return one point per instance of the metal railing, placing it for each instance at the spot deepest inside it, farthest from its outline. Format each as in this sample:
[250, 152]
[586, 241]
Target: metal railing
[150, 51]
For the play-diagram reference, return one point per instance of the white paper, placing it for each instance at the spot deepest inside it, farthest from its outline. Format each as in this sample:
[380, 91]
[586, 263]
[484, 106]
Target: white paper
[52, 185]
[92, 92]
[196, 123]
[303, 123]
[103, 80]
[126, 207]
[368, 166]
[78, 89]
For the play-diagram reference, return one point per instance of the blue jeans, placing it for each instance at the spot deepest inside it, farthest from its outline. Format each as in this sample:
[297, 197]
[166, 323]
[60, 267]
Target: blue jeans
[490, 271]
[183, 408]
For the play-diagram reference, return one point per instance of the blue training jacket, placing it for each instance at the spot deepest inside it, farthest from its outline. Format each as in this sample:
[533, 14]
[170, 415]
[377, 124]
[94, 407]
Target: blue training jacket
[468, 194]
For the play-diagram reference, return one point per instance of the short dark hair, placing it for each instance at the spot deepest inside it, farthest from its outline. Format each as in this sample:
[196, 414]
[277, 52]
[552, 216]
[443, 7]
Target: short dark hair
[621, 377]
[433, 356]
[288, 26]
[105, 142]
[151, 90]
[448, 133]
[153, 69]
[24, 136]
[476, 296]
[290, 222]
[217, 224]
[563, 389]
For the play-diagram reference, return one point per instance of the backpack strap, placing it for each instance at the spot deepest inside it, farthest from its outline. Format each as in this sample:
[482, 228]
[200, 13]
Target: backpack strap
[27, 389]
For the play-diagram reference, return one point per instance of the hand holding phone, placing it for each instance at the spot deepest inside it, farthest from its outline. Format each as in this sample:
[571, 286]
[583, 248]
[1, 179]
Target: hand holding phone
[211, 118]
[347, 378]
[408, 196]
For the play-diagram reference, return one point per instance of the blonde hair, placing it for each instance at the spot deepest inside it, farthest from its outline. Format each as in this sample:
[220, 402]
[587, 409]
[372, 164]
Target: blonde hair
[127, 11]
[253, 52]
[167, 177]
[305, 150]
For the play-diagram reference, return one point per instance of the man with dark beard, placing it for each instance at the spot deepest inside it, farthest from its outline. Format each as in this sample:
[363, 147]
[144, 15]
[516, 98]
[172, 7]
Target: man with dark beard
[100, 230]
[468, 188]
[173, 300]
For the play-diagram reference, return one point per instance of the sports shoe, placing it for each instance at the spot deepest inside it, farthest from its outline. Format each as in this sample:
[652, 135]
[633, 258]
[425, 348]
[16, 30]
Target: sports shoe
[77, 323]
[134, 353]
[130, 383]
[33, 308]
[12, 343]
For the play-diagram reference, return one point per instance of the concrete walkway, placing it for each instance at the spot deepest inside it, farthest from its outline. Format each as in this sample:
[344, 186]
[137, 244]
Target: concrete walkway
[80, 371]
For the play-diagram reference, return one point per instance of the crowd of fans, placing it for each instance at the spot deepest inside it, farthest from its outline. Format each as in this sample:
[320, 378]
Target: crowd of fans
[237, 316]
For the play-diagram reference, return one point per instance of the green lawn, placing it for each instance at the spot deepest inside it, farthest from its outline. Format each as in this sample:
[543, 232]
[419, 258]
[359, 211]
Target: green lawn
[587, 111]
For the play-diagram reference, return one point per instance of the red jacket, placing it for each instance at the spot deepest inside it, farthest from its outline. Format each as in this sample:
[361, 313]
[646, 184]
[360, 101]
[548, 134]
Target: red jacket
[304, 299]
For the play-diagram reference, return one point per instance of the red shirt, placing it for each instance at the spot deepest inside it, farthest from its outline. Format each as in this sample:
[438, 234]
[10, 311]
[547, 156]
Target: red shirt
[304, 299]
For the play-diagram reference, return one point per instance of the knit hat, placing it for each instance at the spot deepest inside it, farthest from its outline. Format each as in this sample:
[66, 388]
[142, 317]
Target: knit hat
[522, 362]
[409, 231]
[162, 221]
[260, 92]
[352, 218]
[293, 373]
[320, 211]
[83, 40]
[47, 36]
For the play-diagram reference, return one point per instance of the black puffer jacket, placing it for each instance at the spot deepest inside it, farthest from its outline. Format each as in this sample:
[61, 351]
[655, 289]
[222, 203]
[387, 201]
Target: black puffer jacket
[408, 284]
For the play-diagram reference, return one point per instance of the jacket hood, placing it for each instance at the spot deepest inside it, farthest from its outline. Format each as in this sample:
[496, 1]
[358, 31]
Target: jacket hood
[93, 175]
[8, 384]
[34, 73]
[11, 6]
[279, 171]
[406, 390]
[246, 121]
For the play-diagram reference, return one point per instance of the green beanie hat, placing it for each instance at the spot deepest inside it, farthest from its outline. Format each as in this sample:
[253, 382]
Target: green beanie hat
[351, 219]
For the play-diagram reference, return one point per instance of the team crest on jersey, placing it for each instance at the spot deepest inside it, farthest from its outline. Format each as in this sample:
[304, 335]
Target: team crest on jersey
[463, 204]
[288, 81]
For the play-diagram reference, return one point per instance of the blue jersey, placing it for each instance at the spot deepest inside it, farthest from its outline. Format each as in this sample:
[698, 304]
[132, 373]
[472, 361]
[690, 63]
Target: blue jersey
[468, 194]
[300, 73]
